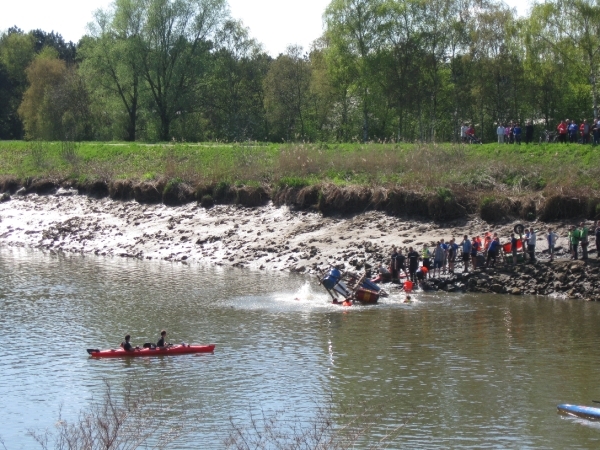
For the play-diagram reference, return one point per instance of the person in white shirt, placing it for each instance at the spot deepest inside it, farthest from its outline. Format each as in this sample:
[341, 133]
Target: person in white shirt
[552, 237]
[463, 132]
[500, 133]
[531, 245]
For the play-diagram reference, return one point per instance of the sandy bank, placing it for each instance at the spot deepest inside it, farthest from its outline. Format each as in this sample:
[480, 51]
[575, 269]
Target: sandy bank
[269, 237]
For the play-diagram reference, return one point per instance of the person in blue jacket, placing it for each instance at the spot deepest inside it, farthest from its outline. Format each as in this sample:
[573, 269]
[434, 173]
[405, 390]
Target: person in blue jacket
[492, 253]
[517, 133]
[572, 129]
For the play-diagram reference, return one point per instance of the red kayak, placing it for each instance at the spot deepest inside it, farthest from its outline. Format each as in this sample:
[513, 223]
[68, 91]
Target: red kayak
[173, 350]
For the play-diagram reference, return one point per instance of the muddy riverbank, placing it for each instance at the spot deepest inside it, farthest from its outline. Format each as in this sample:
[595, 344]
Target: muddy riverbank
[272, 238]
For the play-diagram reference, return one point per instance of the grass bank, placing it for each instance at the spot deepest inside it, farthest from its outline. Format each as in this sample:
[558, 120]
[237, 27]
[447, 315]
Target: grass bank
[443, 181]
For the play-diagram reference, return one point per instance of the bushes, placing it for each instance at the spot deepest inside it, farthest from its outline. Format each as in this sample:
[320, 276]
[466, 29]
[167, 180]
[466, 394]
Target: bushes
[560, 206]
[442, 205]
[176, 192]
[492, 209]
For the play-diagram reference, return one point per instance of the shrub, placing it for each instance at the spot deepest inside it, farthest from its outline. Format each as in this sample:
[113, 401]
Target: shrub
[115, 423]
[207, 201]
[221, 191]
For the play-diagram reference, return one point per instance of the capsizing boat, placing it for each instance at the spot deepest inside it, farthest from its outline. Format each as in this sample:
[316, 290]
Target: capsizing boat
[346, 288]
[180, 349]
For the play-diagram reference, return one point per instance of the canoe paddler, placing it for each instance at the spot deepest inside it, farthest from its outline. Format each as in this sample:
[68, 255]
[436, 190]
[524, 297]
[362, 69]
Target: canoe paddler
[161, 342]
[126, 345]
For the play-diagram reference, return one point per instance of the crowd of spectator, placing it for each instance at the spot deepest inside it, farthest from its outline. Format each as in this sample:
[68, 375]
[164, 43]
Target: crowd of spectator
[443, 257]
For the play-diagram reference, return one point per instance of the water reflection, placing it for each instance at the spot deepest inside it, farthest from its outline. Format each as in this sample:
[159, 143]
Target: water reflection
[466, 371]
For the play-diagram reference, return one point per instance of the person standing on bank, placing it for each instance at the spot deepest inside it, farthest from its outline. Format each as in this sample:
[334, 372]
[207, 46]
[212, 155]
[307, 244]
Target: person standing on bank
[572, 128]
[438, 259]
[401, 263]
[552, 237]
[513, 247]
[528, 132]
[524, 240]
[500, 133]
[466, 252]
[426, 255]
[583, 236]
[531, 245]
[394, 263]
[575, 234]
[562, 131]
[517, 133]
[475, 247]
[492, 252]
[413, 264]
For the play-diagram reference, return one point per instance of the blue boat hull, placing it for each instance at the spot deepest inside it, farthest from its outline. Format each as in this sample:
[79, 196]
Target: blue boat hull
[586, 412]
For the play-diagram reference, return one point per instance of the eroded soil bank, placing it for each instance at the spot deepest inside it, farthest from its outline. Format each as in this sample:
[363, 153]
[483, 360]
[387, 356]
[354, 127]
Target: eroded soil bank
[272, 238]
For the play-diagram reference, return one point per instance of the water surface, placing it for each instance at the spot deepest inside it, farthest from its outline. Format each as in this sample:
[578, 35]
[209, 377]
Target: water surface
[463, 371]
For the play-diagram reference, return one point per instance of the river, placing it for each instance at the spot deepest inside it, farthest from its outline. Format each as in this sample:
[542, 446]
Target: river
[461, 371]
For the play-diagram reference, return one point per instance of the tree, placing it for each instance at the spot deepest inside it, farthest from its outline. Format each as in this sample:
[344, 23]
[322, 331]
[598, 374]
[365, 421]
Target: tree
[287, 88]
[111, 61]
[233, 101]
[41, 39]
[353, 32]
[173, 48]
[55, 105]
[572, 29]
[16, 53]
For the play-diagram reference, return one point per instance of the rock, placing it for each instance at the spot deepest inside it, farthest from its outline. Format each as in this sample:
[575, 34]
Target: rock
[497, 288]
[5, 197]
[63, 192]
[515, 291]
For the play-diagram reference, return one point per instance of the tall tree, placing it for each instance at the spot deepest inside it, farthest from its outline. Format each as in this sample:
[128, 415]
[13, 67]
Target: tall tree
[173, 48]
[353, 32]
[234, 101]
[110, 57]
[572, 28]
[66, 50]
[16, 53]
[286, 94]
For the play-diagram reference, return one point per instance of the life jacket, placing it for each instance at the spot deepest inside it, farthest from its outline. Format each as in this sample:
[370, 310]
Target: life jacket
[488, 241]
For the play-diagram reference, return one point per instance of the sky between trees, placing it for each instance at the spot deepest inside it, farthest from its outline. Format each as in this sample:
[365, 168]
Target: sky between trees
[274, 23]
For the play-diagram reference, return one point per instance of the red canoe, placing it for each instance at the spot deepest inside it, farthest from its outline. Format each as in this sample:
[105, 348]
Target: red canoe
[174, 350]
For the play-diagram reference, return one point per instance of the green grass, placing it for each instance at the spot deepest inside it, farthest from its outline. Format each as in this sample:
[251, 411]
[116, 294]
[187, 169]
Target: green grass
[508, 168]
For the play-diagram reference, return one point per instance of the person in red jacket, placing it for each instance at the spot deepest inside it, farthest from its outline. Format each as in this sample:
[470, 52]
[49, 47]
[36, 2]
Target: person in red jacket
[562, 131]
[584, 131]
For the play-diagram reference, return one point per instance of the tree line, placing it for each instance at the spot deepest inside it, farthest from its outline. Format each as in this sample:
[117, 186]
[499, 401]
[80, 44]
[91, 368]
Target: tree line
[389, 70]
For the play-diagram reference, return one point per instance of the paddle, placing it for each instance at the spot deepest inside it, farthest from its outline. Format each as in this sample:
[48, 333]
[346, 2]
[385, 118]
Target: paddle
[92, 350]
[596, 401]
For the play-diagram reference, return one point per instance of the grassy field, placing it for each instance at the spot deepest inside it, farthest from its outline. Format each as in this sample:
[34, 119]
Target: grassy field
[511, 169]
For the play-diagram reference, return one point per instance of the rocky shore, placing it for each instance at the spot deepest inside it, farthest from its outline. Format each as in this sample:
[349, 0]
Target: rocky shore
[274, 238]
[563, 278]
